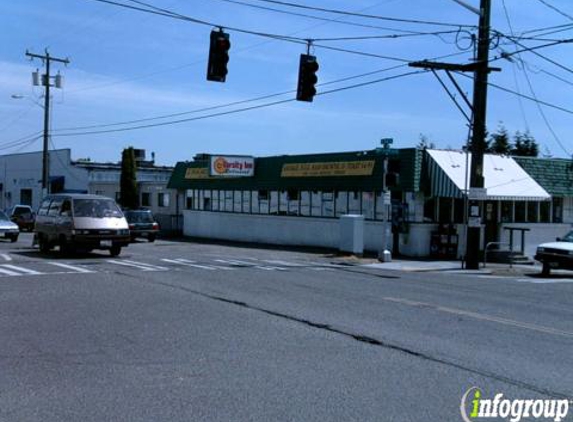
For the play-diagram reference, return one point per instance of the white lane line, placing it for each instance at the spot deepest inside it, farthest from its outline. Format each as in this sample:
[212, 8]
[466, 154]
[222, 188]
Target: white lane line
[6, 257]
[6, 272]
[71, 267]
[188, 264]
[239, 263]
[21, 269]
[141, 265]
[481, 317]
[283, 263]
[218, 267]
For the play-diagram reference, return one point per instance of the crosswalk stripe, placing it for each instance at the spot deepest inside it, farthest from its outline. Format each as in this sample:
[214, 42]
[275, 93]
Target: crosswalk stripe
[6, 272]
[20, 269]
[71, 267]
[239, 263]
[188, 264]
[141, 265]
[218, 267]
[6, 257]
[283, 263]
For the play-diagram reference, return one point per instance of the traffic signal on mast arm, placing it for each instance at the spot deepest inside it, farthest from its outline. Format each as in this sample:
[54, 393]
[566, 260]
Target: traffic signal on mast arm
[218, 56]
[307, 78]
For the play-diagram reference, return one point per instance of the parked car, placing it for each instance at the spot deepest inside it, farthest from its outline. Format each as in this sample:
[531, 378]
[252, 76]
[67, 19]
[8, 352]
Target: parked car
[80, 221]
[558, 254]
[8, 229]
[23, 216]
[142, 224]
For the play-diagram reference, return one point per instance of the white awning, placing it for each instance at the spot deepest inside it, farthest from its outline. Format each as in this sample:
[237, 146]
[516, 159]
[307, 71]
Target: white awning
[504, 179]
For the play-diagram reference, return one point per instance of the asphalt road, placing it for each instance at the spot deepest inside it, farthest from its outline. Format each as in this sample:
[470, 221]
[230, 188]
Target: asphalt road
[180, 331]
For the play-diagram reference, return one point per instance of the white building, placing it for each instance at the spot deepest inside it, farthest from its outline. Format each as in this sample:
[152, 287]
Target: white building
[21, 180]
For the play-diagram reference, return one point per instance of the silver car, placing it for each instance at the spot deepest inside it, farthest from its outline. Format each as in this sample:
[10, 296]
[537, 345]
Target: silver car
[80, 221]
[8, 229]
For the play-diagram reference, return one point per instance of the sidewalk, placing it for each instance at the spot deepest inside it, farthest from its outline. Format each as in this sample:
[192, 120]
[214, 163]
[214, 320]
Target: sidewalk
[413, 265]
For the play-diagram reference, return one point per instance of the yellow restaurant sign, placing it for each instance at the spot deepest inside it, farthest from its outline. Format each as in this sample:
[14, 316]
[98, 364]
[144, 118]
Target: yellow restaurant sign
[197, 173]
[336, 168]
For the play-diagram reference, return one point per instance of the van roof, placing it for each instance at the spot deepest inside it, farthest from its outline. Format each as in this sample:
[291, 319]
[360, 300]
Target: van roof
[77, 196]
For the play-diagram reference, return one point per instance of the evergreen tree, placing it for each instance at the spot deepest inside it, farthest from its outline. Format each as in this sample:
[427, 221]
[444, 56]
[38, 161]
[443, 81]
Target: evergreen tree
[128, 196]
[425, 143]
[525, 145]
[500, 142]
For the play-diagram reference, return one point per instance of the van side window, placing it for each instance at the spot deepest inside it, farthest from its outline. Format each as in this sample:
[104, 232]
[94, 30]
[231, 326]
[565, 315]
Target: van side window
[55, 207]
[66, 210]
[44, 206]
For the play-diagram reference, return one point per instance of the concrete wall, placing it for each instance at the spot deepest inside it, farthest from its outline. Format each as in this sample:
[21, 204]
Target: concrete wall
[539, 233]
[280, 230]
[297, 231]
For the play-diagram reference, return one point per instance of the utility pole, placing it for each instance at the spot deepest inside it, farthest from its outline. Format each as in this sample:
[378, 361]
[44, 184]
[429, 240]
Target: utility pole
[45, 80]
[478, 135]
[480, 68]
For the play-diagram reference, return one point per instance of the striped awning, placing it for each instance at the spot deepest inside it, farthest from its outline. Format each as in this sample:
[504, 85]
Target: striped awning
[504, 179]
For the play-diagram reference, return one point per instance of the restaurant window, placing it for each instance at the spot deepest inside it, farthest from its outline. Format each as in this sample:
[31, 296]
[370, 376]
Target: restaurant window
[544, 212]
[430, 209]
[532, 211]
[520, 211]
[557, 210]
[507, 211]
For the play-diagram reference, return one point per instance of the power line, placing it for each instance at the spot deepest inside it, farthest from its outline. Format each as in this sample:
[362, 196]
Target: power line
[533, 93]
[234, 103]
[555, 9]
[367, 16]
[225, 113]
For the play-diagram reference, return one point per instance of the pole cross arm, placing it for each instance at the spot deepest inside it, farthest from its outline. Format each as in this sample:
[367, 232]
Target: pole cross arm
[454, 67]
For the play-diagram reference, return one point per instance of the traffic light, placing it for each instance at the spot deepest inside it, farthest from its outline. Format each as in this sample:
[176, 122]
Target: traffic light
[218, 56]
[307, 78]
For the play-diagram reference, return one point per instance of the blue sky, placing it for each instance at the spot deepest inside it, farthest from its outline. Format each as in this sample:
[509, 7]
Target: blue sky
[126, 65]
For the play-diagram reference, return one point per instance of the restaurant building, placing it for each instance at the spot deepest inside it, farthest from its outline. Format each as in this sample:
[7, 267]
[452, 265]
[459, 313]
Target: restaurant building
[299, 199]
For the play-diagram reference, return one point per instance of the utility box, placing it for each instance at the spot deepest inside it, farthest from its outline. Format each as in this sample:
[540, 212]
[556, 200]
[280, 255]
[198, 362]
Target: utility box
[352, 234]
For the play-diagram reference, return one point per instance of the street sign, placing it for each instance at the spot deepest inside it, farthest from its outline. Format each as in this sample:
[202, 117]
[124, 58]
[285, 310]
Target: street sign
[389, 152]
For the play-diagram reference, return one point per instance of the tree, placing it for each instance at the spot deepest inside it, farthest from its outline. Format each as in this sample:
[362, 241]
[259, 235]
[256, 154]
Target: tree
[525, 145]
[425, 143]
[500, 142]
[128, 197]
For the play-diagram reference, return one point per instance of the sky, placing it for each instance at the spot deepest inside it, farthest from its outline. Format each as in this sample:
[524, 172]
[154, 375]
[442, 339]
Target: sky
[127, 65]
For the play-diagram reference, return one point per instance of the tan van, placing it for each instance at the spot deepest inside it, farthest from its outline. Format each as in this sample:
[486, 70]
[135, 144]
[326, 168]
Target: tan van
[79, 221]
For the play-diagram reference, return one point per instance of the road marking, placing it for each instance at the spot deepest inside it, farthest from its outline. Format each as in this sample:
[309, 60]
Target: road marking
[481, 317]
[188, 264]
[6, 272]
[71, 267]
[217, 267]
[283, 263]
[6, 257]
[238, 263]
[141, 265]
[21, 269]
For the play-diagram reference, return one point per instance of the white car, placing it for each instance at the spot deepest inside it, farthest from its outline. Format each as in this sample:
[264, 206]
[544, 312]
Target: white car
[8, 229]
[557, 254]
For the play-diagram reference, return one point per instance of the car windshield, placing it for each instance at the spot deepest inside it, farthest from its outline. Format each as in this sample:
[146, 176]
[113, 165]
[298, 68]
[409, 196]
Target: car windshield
[568, 237]
[3, 216]
[22, 211]
[98, 208]
[139, 217]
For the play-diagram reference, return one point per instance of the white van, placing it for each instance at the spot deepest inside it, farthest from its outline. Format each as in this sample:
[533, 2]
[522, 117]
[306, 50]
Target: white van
[80, 221]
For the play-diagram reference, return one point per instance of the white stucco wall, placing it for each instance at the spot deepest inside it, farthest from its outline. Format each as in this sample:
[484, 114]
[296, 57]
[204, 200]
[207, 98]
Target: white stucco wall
[279, 230]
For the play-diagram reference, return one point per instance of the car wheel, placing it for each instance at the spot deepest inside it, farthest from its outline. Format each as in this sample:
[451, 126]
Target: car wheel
[43, 244]
[151, 238]
[546, 269]
[14, 239]
[65, 247]
[115, 250]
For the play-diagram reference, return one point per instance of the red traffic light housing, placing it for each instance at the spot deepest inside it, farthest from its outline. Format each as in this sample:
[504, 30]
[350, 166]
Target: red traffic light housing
[218, 56]
[307, 78]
